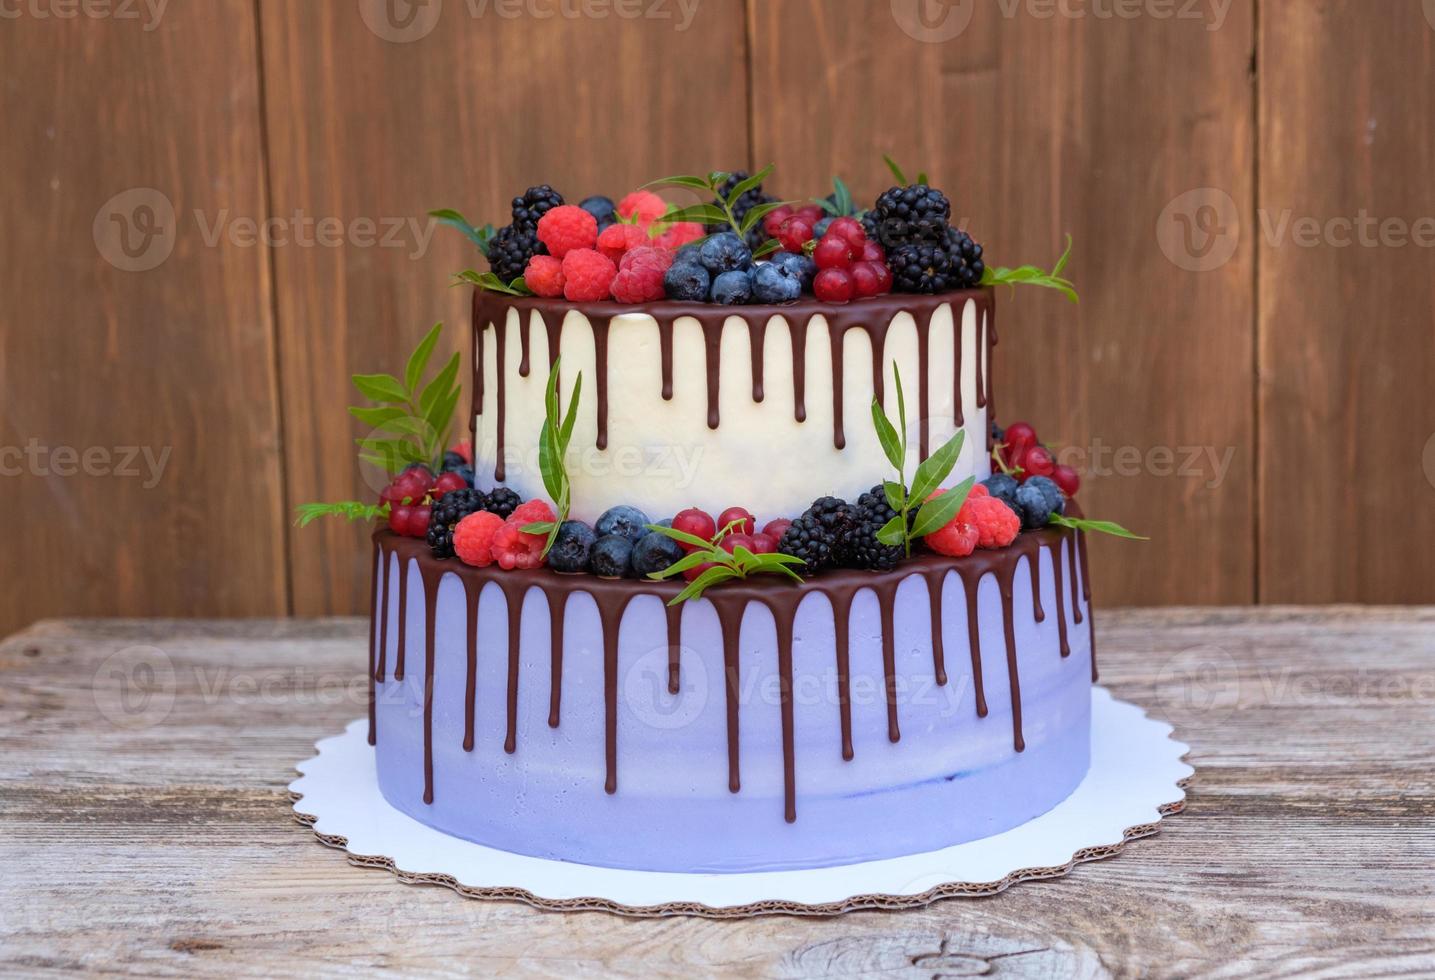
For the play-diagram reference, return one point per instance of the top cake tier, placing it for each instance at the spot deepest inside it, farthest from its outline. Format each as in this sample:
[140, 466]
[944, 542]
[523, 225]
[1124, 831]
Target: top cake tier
[700, 405]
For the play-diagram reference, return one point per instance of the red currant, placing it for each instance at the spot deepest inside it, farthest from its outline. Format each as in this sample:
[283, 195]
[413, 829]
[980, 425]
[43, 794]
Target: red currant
[447, 482]
[794, 233]
[884, 277]
[864, 280]
[1018, 436]
[872, 252]
[812, 213]
[1067, 479]
[763, 544]
[731, 543]
[776, 528]
[419, 520]
[832, 286]
[742, 514]
[773, 220]
[1037, 462]
[850, 230]
[399, 518]
[698, 523]
[694, 572]
[832, 253]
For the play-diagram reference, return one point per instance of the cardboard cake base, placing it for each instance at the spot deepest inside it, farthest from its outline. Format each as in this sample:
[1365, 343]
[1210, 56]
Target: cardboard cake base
[1137, 776]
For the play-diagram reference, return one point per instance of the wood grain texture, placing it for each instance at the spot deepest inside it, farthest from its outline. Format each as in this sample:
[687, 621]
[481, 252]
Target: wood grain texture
[139, 442]
[1038, 126]
[466, 116]
[1347, 333]
[153, 835]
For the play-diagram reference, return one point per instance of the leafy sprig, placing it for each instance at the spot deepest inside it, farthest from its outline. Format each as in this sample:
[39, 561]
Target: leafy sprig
[897, 172]
[418, 414]
[491, 282]
[931, 515]
[1102, 527]
[479, 236]
[1031, 275]
[353, 510]
[737, 564]
[841, 205]
[553, 441]
[721, 212]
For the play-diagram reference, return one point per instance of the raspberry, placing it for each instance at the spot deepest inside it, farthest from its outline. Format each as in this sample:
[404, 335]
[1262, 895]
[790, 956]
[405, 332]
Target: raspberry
[958, 538]
[587, 275]
[648, 206]
[614, 240]
[473, 538]
[640, 275]
[512, 548]
[997, 524]
[679, 234]
[531, 512]
[544, 276]
[565, 228]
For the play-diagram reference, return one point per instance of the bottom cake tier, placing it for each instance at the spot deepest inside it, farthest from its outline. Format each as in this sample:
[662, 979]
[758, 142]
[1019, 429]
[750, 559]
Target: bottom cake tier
[765, 726]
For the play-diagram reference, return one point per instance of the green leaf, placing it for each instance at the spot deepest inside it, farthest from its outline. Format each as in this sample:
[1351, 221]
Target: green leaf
[539, 527]
[922, 177]
[479, 236]
[759, 211]
[894, 532]
[353, 510]
[751, 183]
[381, 388]
[703, 214]
[896, 170]
[682, 537]
[887, 435]
[565, 435]
[843, 196]
[440, 386]
[767, 248]
[690, 560]
[939, 511]
[901, 410]
[1101, 527]
[935, 468]
[1031, 275]
[827, 206]
[419, 359]
[686, 180]
[699, 585]
[896, 494]
[490, 282]
[377, 418]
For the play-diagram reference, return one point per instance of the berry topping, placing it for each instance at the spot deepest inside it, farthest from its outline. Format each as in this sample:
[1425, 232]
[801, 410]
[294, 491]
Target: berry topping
[798, 265]
[997, 524]
[627, 522]
[748, 523]
[447, 482]
[776, 283]
[909, 214]
[611, 556]
[679, 234]
[473, 538]
[832, 252]
[515, 548]
[958, 537]
[687, 281]
[1066, 479]
[640, 275]
[654, 552]
[502, 501]
[776, 528]
[566, 227]
[1036, 500]
[849, 230]
[587, 275]
[793, 233]
[648, 207]
[772, 221]
[1036, 461]
[866, 281]
[724, 252]
[732, 542]
[571, 547]
[535, 202]
[399, 515]
[696, 522]
[419, 517]
[614, 240]
[601, 208]
[451, 509]
[832, 286]
[544, 275]
[1019, 436]
[530, 512]
[510, 249]
[732, 288]
[744, 204]
[1001, 486]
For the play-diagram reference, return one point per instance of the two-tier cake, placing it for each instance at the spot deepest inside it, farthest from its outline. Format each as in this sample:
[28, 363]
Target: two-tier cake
[755, 598]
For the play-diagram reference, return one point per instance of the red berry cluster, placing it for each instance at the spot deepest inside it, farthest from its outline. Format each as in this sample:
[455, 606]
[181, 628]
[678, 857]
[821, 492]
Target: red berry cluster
[701, 524]
[1023, 456]
[410, 497]
[849, 266]
[794, 228]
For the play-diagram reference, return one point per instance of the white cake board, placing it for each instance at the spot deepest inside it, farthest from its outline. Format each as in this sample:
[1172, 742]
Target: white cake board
[1137, 776]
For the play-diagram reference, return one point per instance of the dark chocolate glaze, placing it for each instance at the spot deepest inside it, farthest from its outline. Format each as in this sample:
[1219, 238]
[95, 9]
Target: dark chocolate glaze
[872, 315]
[373, 635]
[403, 618]
[674, 616]
[730, 602]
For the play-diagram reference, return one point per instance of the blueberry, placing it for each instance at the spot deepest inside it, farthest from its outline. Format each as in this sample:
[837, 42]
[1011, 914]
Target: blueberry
[601, 208]
[687, 280]
[732, 288]
[691, 252]
[1054, 497]
[464, 471]
[820, 229]
[452, 461]
[725, 252]
[610, 556]
[1002, 487]
[654, 553]
[629, 522]
[571, 547]
[772, 283]
[798, 265]
[1032, 506]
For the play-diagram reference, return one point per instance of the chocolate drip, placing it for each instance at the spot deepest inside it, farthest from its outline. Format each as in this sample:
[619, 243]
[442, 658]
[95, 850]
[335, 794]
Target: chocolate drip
[471, 591]
[1060, 599]
[674, 616]
[557, 601]
[500, 345]
[730, 602]
[600, 357]
[798, 329]
[757, 339]
[990, 313]
[477, 388]
[924, 397]
[841, 623]
[403, 618]
[553, 327]
[712, 344]
[1079, 541]
[983, 362]
[373, 635]
[665, 356]
[1071, 567]
[523, 344]
[513, 594]
[958, 335]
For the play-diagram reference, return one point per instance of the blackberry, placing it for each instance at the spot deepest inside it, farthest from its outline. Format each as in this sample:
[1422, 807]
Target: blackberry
[967, 264]
[807, 539]
[863, 550]
[453, 507]
[533, 204]
[874, 504]
[502, 501]
[749, 200]
[510, 249]
[911, 214]
[921, 267]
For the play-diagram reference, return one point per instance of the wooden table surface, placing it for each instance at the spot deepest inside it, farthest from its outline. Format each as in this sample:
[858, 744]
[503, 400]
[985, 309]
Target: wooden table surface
[145, 827]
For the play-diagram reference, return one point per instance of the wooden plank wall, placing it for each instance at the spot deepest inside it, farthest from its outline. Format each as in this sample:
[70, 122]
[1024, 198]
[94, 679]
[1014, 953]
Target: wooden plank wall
[1232, 384]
